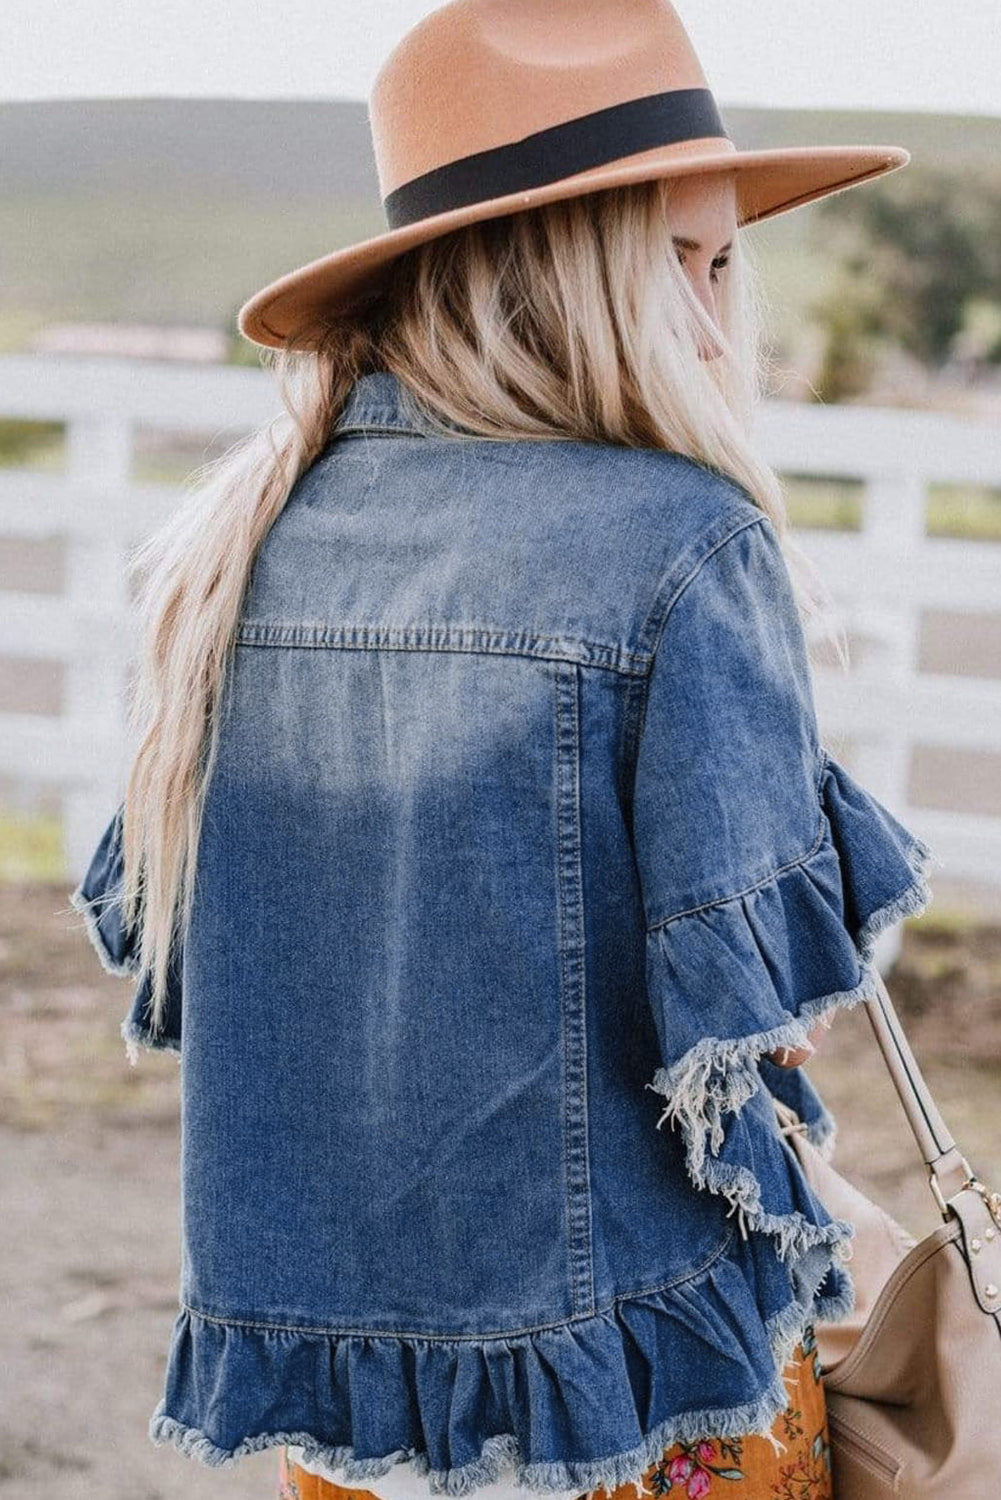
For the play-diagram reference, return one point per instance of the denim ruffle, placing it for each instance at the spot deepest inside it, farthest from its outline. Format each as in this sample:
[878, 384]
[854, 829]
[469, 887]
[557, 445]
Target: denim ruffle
[611, 1388]
[772, 962]
[98, 899]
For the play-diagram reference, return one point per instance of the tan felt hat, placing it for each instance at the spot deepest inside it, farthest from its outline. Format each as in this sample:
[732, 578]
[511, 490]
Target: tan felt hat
[487, 107]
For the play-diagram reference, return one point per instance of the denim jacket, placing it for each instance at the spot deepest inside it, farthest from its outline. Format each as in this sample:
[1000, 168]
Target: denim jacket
[519, 844]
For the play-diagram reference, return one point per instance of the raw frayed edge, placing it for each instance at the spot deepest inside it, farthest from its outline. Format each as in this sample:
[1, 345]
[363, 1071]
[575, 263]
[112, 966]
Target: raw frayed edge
[910, 903]
[698, 1100]
[837, 1305]
[501, 1453]
[86, 908]
[136, 1037]
[133, 1035]
[822, 1132]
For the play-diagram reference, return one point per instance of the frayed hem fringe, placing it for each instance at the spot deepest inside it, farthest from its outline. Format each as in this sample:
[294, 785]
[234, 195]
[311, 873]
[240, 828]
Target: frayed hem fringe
[133, 1035]
[136, 1037]
[698, 1100]
[79, 903]
[822, 1134]
[501, 1453]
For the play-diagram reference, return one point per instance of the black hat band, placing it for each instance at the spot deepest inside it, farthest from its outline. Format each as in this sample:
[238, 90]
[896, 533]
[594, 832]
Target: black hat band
[560, 151]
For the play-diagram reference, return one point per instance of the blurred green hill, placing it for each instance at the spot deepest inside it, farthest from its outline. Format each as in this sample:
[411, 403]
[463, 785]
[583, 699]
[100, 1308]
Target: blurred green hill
[175, 210]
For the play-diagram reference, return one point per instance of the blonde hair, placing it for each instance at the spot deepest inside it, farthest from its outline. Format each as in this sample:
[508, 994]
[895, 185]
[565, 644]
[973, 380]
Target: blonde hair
[574, 320]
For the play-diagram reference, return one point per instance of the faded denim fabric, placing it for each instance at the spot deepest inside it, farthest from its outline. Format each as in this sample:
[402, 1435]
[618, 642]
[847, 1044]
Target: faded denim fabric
[520, 843]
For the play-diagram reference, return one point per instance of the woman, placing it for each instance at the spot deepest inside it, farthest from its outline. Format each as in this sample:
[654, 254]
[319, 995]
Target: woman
[483, 698]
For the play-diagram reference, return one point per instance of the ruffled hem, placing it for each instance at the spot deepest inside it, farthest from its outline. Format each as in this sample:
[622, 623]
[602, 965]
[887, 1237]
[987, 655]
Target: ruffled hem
[792, 1086]
[136, 1035]
[136, 1030]
[103, 927]
[98, 899]
[793, 950]
[607, 1392]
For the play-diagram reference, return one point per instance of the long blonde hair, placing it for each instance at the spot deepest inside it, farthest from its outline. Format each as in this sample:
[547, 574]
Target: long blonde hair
[574, 319]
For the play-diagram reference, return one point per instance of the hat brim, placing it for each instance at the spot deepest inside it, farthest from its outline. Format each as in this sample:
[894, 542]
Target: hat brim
[767, 182]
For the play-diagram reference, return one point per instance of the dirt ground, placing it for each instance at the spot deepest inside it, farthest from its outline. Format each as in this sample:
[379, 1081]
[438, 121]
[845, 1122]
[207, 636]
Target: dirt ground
[89, 1187]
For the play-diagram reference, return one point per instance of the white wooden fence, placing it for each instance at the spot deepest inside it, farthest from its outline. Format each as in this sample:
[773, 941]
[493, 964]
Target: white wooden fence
[884, 577]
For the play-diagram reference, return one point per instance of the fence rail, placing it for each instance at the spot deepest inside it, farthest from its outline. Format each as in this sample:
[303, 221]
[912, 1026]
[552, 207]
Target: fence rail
[885, 577]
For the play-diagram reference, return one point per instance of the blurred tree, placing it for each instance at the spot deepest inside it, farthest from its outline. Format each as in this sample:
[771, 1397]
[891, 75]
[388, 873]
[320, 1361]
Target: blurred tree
[850, 344]
[914, 255]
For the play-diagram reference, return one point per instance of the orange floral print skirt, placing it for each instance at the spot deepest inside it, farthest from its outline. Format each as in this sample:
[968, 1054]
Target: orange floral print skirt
[795, 1467]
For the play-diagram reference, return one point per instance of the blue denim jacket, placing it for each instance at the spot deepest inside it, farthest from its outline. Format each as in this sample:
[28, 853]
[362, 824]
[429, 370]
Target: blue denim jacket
[520, 843]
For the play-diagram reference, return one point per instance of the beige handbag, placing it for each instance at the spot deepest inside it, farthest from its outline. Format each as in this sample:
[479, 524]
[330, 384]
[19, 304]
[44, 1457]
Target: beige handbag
[913, 1375]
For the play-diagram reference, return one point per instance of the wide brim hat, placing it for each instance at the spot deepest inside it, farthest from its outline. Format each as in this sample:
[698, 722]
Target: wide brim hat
[491, 107]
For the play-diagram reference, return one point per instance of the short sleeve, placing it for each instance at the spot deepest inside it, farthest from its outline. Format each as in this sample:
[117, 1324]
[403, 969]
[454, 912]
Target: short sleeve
[766, 873]
[98, 898]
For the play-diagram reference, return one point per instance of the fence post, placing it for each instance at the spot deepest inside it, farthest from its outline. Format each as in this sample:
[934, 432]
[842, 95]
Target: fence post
[99, 462]
[893, 534]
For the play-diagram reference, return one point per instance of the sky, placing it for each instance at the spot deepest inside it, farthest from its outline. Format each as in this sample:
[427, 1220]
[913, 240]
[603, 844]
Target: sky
[845, 54]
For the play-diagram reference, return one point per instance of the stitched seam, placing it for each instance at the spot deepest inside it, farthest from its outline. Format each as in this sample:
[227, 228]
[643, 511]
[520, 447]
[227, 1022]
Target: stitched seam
[696, 567]
[573, 984]
[634, 710]
[629, 741]
[564, 985]
[621, 668]
[789, 864]
[385, 428]
[506, 1333]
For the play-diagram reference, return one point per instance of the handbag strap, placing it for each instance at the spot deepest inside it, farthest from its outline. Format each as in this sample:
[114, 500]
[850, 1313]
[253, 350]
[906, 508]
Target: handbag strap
[948, 1169]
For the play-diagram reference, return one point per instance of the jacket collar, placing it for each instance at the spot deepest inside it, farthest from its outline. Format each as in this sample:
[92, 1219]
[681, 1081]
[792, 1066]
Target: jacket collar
[379, 401]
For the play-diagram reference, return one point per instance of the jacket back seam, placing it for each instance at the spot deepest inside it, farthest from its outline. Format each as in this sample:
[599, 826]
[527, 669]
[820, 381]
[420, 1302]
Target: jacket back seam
[665, 600]
[527, 1330]
[472, 640]
[572, 986]
[789, 864]
[634, 712]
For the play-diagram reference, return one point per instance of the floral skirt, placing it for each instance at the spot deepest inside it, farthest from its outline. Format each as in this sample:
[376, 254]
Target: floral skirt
[792, 1464]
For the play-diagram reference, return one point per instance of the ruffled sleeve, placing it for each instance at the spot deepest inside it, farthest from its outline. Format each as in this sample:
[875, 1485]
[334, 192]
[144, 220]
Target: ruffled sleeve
[98, 898]
[767, 873]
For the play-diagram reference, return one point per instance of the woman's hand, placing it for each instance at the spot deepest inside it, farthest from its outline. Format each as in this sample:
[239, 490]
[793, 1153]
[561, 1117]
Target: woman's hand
[791, 1057]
